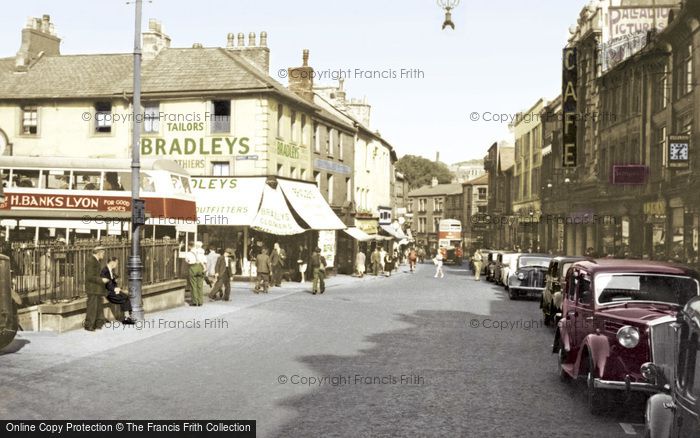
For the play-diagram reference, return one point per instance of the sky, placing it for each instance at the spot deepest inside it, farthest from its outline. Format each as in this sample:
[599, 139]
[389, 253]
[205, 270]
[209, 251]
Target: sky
[501, 58]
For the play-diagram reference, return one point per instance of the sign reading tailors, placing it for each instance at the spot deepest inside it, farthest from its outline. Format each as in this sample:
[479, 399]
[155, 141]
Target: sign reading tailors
[678, 151]
[231, 201]
[569, 107]
[326, 241]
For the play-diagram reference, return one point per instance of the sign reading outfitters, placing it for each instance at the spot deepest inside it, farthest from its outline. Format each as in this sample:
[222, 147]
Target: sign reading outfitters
[234, 200]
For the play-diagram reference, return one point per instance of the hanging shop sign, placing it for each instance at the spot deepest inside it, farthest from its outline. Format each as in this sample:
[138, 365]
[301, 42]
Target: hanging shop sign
[569, 106]
[629, 174]
[274, 216]
[657, 208]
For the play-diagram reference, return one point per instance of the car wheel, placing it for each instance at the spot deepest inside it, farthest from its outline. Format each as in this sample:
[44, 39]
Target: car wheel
[596, 397]
[561, 358]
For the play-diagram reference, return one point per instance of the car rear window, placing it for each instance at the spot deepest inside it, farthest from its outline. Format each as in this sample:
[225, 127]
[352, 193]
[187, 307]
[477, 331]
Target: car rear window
[611, 288]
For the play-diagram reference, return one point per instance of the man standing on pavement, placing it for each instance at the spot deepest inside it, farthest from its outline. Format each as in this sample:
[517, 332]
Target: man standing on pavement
[375, 260]
[263, 265]
[277, 261]
[223, 274]
[95, 290]
[318, 264]
[477, 259]
[360, 263]
[212, 258]
[382, 259]
[196, 279]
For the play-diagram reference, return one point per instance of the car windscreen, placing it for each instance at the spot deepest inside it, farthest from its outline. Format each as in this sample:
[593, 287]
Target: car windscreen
[612, 288]
[524, 262]
[564, 270]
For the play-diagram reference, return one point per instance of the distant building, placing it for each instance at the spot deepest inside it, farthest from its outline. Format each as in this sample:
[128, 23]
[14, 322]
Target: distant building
[467, 170]
[427, 204]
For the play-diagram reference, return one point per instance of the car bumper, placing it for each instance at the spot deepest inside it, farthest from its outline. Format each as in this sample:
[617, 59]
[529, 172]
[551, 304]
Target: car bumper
[534, 291]
[626, 385]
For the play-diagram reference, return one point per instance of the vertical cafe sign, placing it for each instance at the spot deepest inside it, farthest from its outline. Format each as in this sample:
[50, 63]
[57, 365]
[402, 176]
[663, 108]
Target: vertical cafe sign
[569, 107]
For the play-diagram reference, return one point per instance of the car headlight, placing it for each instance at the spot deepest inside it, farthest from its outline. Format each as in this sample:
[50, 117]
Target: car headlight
[521, 276]
[628, 336]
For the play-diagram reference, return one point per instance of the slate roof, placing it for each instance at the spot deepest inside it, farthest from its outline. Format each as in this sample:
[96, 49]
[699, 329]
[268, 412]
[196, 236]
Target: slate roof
[438, 190]
[478, 181]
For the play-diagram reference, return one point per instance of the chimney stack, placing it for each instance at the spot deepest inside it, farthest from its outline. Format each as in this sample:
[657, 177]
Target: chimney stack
[154, 40]
[301, 79]
[38, 37]
[258, 55]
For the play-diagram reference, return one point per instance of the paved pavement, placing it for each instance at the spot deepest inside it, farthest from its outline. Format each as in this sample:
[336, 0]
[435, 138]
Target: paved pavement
[408, 355]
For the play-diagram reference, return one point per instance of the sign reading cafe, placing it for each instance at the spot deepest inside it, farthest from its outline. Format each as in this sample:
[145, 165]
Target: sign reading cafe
[569, 107]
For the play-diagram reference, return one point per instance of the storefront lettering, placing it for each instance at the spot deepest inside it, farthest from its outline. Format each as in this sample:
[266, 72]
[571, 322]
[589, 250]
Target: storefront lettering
[214, 183]
[54, 201]
[287, 150]
[569, 107]
[191, 146]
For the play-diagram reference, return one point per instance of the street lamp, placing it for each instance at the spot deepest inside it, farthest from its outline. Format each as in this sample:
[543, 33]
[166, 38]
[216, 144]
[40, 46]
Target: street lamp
[448, 5]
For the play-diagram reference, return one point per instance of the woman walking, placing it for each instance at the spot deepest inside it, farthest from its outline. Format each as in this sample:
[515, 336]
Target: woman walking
[438, 264]
[477, 259]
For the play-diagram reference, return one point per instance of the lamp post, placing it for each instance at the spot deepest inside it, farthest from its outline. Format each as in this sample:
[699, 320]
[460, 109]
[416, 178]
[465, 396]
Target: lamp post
[138, 215]
[448, 5]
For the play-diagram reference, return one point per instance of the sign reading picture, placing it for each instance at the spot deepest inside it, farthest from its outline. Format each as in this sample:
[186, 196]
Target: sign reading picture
[569, 106]
[678, 151]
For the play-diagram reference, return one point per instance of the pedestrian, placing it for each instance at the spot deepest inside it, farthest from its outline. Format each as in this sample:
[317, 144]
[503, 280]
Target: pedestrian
[397, 259]
[95, 290]
[389, 261]
[360, 264]
[382, 258]
[277, 261]
[318, 264]
[212, 258]
[223, 276]
[374, 260]
[302, 262]
[421, 255]
[115, 294]
[412, 258]
[438, 264]
[477, 259]
[195, 277]
[263, 266]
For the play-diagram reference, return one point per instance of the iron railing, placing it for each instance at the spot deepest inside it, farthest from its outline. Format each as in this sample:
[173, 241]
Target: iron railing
[55, 272]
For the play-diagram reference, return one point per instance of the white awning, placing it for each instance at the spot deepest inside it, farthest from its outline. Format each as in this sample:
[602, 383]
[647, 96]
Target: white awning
[396, 234]
[309, 204]
[227, 200]
[358, 234]
[274, 216]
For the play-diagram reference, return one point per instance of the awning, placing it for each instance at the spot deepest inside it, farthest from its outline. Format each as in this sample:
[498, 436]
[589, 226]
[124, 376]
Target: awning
[274, 216]
[227, 200]
[358, 234]
[309, 204]
[396, 234]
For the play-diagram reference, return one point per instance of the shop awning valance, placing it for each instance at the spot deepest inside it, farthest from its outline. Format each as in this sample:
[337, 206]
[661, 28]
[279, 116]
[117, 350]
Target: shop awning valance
[358, 234]
[310, 205]
[227, 200]
[396, 234]
[274, 216]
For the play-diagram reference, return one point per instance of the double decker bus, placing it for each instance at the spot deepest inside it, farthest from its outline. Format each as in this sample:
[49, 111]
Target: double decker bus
[450, 238]
[50, 197]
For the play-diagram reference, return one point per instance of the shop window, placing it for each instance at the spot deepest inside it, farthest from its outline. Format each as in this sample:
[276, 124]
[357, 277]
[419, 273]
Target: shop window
[293, 172]
[280, 169]
[221, 116]
[147, 183]
[30, 120]
[329, 142]
[5, 177]
[348, 189]
[151, 117]
[482, 193]
[317, 178]
[116, 181]
[220, 168]
[341, 145]
[103, 117]
[302, 176]
[57, 179]
[25, 178]
[83, 180]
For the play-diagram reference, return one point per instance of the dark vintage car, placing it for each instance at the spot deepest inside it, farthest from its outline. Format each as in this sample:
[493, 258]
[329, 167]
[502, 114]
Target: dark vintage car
[500, 265]
[552, 296]
[490, 266]
[615, 317]
[675, 410]
[527, 277]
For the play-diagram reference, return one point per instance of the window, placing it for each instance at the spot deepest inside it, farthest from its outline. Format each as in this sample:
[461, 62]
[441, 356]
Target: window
[280, 169]
[151, 117]
[303, 175]
[317, 138]
[481, 209]
[29, 120]
[685, 123]
[293, 172]
[341, 145]
[422, 204]
[220, 168]
[329, 142]
[348, 189]
[317, 178]
[421, 224]
[436, 224]
[221, 118]
[293, 127]
[304, 132]
[116, 181]
[83, 180]
[148, 185]
[57, 179]
[103, 117]
[329, 181]
[482, 193]
[25, 178]
[689, 70]
[280, 113]
[5, 177]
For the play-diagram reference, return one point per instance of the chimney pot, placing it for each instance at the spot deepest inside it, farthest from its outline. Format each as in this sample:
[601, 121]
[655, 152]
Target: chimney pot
[229, 41]
[305, 58]
[263, 39]
[251, 39]
[197, 45]
[241, 39]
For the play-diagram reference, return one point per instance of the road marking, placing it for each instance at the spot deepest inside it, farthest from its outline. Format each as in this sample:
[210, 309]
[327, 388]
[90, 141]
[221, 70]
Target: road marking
[629, 428]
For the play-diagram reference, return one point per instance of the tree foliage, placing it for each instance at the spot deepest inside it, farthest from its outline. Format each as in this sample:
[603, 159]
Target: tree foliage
[420, 171]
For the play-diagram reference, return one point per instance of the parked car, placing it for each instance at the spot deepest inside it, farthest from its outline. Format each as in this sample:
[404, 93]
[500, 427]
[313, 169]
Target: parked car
[675, 410]
[552, 295]
[510, 261]
[492, 262]
[616, 315]
[527, 276]
[498, 267]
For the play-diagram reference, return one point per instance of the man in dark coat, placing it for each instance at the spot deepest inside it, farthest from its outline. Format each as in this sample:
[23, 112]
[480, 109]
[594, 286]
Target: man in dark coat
[223, 273]
[263, 265]
[114, 293]
[95, 290]
[277, 260]
[318, 265]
